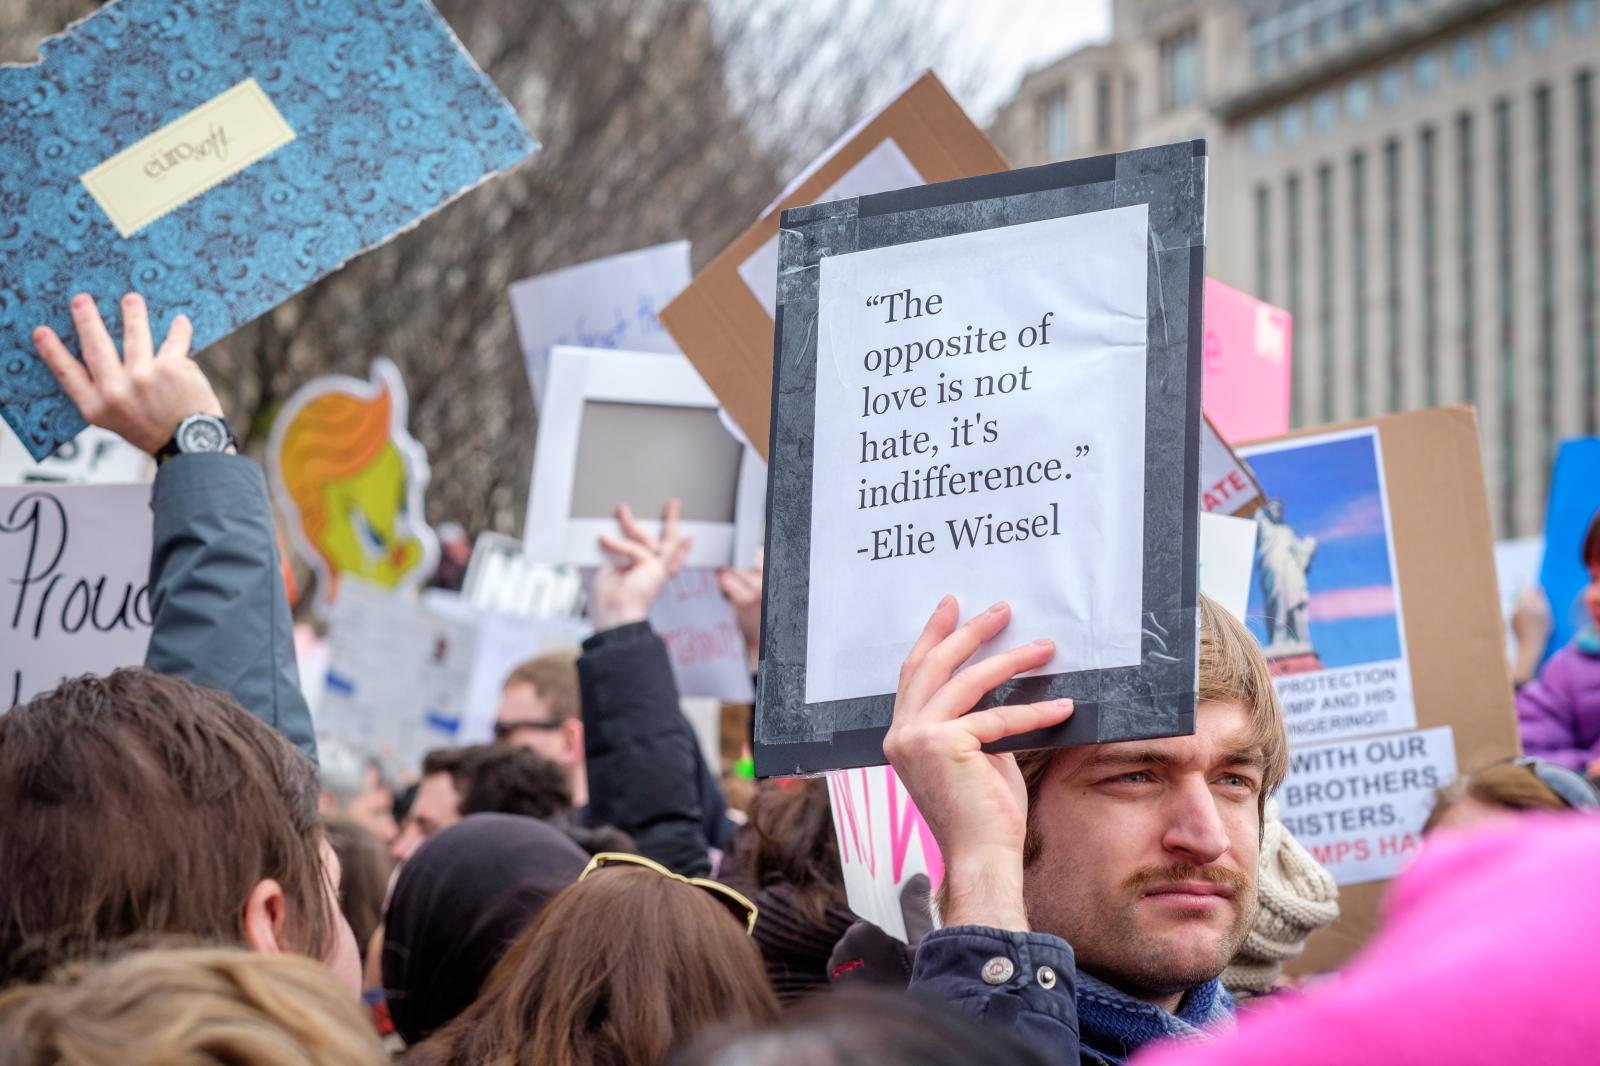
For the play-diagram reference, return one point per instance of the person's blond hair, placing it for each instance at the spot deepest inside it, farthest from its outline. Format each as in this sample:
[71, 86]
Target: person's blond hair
[189, 1007]
[554, 676]
[1232, 670]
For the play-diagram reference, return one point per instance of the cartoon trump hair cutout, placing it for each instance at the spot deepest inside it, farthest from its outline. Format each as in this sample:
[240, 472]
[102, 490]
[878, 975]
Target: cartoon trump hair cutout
[350, 479]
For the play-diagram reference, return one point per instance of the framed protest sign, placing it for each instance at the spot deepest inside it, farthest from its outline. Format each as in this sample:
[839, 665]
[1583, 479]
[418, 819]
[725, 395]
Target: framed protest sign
[724, 320]
[988, 388]
[1376, 602]
[636, 428]
[74, 583]
[219, 156]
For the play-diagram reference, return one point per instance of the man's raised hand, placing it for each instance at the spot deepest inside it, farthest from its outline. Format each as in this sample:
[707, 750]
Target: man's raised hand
[974, 802]
[624, 591]
[141, 395]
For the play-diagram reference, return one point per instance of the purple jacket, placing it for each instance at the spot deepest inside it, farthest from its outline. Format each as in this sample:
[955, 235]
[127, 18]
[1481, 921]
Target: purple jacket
[1558, 712]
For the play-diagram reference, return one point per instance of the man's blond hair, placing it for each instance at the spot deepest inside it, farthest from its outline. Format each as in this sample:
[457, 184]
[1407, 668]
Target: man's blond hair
[554, 676]
[1232, 670]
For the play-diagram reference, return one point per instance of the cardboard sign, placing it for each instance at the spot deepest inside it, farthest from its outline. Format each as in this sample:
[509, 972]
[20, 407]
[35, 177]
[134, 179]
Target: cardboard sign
[1326, 605]
[500, 644]
[219, 156]
[1433, 524]
[883, 843]
[399, 672]
[1246, 364]
[701, 631]
[1574, 502]
[74, 573]
[1227, 486]
[969, 402]
[94, 457]
[350, 480]
[723, 321]
[604, 303]
[635, 428]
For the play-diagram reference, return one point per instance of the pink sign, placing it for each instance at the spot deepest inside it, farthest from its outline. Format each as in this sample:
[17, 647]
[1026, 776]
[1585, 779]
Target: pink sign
[1246, 364]
[883, 843]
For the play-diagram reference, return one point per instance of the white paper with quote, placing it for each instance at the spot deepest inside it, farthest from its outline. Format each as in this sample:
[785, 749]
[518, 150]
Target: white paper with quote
[980, 431]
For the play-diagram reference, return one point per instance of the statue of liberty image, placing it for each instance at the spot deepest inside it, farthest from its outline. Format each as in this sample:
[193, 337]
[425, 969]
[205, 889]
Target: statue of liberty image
[1283, 559]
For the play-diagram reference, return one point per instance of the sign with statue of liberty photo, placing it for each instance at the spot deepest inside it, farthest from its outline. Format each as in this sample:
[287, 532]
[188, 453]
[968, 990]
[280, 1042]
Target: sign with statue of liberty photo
[1324, 599]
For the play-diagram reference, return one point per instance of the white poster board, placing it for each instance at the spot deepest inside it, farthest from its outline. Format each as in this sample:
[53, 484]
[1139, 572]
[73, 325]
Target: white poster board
[1227, 486]
[1516, 566]
[94, 457]
[604, 303]
[883, 843]
[639, 428]
[398, 674]
[970, 417]
[883, 169]
[1359, 805]
[701, 631]
[503, 642]
[1227, 560]
[74, 574]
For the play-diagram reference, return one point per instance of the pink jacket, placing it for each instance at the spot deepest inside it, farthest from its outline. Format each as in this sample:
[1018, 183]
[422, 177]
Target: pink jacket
[1489, 952]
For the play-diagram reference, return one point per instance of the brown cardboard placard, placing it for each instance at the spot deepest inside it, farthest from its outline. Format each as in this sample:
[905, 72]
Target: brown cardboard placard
[1443, 561]
[720, 323]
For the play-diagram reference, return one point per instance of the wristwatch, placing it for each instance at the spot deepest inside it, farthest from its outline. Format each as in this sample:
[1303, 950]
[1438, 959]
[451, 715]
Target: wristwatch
[198, 433]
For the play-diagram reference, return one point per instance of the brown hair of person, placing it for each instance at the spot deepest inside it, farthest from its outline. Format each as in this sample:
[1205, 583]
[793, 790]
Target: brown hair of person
[1591, 542]
[191, 1006]
[621, 967]
[1502, 784]
[554, 676]
[1232, 670]
[364, 882]
[141, 804]
[793, 843]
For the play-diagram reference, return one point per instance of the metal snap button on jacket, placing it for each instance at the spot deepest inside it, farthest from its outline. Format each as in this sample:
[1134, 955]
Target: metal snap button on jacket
[998, 970]
[1046, 977]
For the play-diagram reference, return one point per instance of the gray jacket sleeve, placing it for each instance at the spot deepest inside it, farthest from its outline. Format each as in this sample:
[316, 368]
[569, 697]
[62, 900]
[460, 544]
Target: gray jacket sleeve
[216, 591]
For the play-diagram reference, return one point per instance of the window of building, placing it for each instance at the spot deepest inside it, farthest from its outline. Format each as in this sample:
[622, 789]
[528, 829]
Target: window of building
[1428, 201]
[1505, 306]
[1354, 15]
[1466, 192]
[1391, 271]
[1358, 99]
[1581, 15]
[1263, 242]
[1358, 277]
[1463, 56]
[1325, 316]
[1324, 110]
[1292, 124]
[1425, 72]
[1180, 69]
[1588, 253]
[1130, 111]
[1291, 277]
[1102, 111]
[1057, 129]
[1388, 9]
[1544, 196]
[1541, 27]
[1261, 135]
[1502, 41]
[1323, 27]
[1391, 80]
[1260, 36]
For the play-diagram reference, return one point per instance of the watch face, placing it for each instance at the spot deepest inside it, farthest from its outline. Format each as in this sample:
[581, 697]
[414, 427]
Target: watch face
[202, 434]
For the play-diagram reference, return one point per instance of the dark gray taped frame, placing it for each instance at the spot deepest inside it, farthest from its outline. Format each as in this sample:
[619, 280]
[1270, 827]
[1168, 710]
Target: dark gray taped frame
[1156, 697]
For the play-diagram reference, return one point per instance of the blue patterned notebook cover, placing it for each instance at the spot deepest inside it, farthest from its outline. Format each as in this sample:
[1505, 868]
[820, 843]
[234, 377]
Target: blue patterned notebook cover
[392, 120]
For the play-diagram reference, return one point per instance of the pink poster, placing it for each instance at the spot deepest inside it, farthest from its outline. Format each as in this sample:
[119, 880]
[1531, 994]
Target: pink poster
[1246, 365]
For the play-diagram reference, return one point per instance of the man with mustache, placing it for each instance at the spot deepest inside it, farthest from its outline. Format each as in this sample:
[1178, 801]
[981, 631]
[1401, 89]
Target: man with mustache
[1092, 895]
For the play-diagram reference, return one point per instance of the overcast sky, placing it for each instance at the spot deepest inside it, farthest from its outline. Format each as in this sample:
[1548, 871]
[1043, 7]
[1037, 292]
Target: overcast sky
[1017, 36]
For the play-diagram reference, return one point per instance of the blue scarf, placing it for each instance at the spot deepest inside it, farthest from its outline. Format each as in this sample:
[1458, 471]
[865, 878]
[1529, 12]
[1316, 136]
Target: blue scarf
[1113, 1025]
[1588, 640]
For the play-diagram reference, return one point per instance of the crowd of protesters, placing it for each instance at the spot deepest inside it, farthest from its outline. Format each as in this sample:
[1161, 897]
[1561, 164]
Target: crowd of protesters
[183, 880]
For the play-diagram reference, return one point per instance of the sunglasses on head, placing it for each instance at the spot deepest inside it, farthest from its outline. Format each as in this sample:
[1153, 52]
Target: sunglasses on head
[502, 730]
[1571, 787]
[738, 905]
